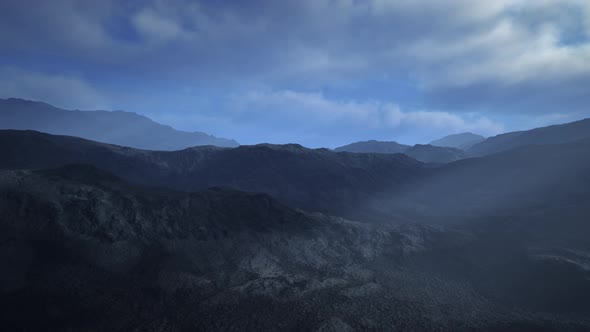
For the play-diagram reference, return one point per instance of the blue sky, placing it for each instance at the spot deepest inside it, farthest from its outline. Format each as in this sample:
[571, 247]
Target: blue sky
[315, 72]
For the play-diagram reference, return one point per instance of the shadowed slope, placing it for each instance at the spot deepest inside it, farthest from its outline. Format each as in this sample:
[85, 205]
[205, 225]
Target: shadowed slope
[82, 250]
[368, 187]
[318, 180]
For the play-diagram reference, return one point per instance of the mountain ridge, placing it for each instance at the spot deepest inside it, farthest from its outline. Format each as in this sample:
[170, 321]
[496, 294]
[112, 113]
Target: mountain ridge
[357, 186]
[461, 141]
[373, 146]
[115, 127]
[314, 179]
[422, 152]
[554, 134]
[434, 154]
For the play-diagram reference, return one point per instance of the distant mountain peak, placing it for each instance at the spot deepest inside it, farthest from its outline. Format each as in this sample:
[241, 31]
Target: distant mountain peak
[461, 141]
[554, 134]
[422, 152]
[113, 127]
[434, 154]
[373, 146]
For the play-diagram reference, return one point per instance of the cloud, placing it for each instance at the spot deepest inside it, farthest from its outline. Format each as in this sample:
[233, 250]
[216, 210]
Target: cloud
[453, 58]
[314, 119]
[455, 42]
[312, 112]
[316, 108]
[75, 28]
[155, 27]
[59, 90]
[506, 54]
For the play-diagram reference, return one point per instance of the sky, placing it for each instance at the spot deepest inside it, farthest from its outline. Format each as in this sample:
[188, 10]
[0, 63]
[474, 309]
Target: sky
[322, 73]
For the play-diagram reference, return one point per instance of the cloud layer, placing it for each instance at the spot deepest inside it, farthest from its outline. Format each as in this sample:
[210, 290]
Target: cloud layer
[318, 121]
[59, 90]
[461, 62]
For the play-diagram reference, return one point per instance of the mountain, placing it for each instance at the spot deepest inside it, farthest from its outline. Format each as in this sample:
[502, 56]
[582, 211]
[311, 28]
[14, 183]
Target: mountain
[461, 141]
[535, 183]
[358, 186]
[556, 134]
[423, 153]
[434, 154]
[321, 180]
[80, 249]
[373, 147]
[121, 128]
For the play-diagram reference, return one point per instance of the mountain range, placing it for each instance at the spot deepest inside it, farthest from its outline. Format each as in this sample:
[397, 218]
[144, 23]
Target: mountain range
[373, 146]
[101, 237]
[461, 141]
[434, 154]
[359, 186]
[118, 127]
[555, 134]
[454, 147]
[425, 153]
[315, 179]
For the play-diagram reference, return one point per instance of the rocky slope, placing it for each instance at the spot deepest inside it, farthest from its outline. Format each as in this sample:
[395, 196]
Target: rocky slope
[82, 250]
[318, 180]
[366, 187]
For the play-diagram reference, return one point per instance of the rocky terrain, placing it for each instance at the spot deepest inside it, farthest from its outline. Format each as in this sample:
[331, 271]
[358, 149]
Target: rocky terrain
[357, 186]
[294, 166]
[102, 237]
[314, 179]
[83, 250]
